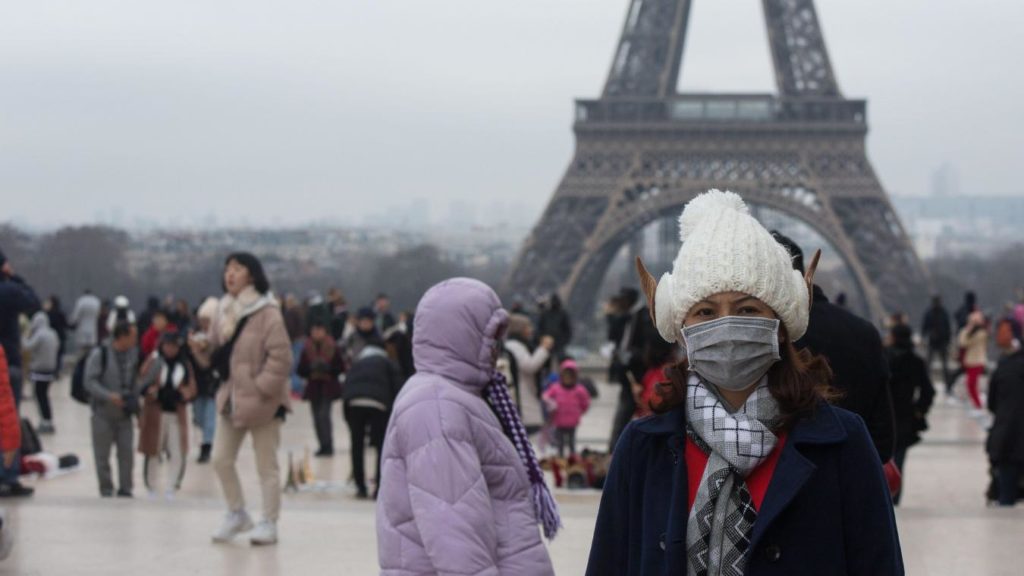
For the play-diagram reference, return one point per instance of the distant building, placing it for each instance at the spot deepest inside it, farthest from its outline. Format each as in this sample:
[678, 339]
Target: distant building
[943, 225]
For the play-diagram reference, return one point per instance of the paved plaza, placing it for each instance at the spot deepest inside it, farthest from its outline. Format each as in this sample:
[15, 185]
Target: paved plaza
[66, 529]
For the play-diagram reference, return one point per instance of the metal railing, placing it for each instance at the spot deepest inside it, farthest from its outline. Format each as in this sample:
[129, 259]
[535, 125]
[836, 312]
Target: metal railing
[695, 108]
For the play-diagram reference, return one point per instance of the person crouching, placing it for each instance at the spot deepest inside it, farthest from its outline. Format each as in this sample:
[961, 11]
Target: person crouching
[168, 384]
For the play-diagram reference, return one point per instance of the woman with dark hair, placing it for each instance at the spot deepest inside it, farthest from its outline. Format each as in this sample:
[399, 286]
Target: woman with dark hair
[746, 469]
[399, 348]
[252, 358]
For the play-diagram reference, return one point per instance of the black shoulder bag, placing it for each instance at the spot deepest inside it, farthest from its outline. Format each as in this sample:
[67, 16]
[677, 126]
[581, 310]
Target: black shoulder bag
[220, 360]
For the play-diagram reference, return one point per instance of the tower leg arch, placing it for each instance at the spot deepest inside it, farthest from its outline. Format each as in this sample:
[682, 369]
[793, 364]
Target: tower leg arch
[654, 203]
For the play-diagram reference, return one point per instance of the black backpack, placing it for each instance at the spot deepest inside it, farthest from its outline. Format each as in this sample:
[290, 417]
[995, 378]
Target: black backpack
[78, 390]
[30, 443]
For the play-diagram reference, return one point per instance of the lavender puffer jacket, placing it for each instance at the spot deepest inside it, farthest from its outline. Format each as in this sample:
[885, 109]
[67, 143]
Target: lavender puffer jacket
[454, 496]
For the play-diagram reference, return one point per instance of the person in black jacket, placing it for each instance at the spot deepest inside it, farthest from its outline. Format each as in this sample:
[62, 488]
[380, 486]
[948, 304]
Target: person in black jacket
[59, 323]
[616, 318]
[912, 394]
[321, 364]
[628, 364]
[370, 389]
[1005, 443]
[554, 321]
[855, 353]
[937, 331]
[16, 298]
[382, 309]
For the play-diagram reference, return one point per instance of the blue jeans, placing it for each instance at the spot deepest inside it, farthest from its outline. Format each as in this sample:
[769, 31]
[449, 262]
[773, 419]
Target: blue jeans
[10, 475]
[204, 415]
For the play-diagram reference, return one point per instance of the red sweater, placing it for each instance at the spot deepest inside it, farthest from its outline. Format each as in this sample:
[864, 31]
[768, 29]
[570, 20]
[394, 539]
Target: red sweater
[151, 339]
[757, 482]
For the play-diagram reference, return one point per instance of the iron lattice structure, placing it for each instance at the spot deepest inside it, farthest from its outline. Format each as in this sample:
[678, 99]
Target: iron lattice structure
[643, 151]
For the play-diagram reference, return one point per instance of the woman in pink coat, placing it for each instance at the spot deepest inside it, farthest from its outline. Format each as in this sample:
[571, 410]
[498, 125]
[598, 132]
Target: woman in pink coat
[461, 491]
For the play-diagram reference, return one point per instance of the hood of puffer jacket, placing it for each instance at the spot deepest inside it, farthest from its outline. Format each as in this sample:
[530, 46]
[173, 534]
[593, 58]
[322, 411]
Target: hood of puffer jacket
[39, 321]
[456, 328]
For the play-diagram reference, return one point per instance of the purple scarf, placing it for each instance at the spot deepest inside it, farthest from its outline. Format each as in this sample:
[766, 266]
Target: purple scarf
[543, 503]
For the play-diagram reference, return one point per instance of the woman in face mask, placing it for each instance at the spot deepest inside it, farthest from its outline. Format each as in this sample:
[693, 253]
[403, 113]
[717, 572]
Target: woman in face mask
[745, 469]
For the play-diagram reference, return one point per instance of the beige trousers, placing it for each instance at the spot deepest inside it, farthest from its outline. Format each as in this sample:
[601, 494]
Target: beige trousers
[265, 441]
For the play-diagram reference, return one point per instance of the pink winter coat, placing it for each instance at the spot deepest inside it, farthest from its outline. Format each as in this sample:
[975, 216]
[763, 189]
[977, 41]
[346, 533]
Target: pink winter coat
[454, 496]
[570, 404]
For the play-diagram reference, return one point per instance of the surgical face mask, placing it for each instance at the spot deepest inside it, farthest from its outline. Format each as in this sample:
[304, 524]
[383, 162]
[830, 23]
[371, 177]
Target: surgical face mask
[734, 352]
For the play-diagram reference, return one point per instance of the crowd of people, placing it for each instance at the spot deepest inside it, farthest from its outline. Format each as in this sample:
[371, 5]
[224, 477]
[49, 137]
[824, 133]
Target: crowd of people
[147, 374]
[751, 409]
[971, 336]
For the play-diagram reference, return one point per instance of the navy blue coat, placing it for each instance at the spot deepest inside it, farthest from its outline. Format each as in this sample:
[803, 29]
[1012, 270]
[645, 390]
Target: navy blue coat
[827, 509]
[16, 298]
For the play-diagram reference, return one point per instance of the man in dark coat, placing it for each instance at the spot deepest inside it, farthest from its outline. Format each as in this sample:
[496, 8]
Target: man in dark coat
[371, 386]
[855, 353]
[554, 321]
[964, 311]
[146, 315]
[628, 364]
[382, 308]
[16, 298]
[912, 394]
[1005, 444]
[936, 330]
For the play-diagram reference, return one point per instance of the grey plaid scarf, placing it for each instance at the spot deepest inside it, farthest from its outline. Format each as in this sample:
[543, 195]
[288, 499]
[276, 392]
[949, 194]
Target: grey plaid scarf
[720, 523]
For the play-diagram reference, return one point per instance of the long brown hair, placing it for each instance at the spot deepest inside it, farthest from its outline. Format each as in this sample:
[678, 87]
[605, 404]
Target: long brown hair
[798, 382]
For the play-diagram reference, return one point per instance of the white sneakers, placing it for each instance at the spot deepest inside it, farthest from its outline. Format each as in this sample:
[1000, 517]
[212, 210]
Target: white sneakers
[235, 523]
[265, 534]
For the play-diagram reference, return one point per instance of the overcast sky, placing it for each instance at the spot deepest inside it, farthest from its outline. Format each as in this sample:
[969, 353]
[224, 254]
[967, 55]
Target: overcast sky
[287, 112]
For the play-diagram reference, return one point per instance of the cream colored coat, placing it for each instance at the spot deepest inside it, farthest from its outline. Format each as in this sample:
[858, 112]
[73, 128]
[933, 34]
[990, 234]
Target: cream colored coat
[975, 347]
[260, 366]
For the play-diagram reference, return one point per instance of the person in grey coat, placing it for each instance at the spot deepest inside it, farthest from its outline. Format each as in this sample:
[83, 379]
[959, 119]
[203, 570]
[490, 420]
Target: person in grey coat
[84, 318]
[111, 379]
[43, 344]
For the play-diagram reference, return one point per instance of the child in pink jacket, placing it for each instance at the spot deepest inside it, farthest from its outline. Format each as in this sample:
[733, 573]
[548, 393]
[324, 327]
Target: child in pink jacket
[568, 400]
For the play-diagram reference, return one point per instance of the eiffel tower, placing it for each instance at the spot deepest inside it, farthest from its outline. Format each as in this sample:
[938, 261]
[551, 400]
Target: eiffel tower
[643, 151]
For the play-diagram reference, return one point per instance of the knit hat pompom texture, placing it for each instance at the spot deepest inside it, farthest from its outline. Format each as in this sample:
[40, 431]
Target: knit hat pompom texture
[726, 250]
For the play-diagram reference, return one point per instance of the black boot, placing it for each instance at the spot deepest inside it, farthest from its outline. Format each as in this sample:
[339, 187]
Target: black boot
[204, 453]
[15, 490]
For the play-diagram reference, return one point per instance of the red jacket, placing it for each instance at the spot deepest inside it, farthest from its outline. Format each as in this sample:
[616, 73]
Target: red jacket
[151, 339]
[10, 425]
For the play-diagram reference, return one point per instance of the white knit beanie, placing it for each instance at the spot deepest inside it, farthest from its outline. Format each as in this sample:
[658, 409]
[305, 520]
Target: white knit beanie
[724, 250]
